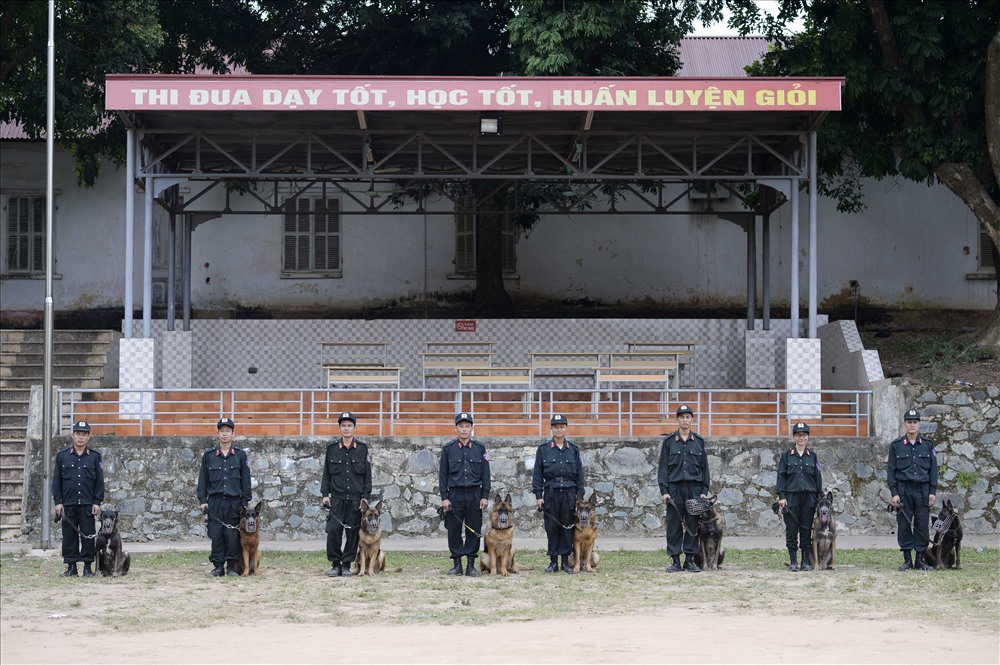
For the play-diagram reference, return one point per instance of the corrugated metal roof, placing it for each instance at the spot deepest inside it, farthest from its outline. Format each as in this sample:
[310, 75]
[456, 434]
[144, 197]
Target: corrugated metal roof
[12, 131]
[719, 57]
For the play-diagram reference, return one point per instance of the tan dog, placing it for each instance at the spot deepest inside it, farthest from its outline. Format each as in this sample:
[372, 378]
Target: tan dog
[585, 536]
[249, 564]
[371, 558]
[498, 550]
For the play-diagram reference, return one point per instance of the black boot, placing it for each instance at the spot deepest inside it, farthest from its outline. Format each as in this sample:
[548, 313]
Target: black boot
[334, 571]
[218, 571]
[231, 569]
[806, 560]
[907, 561]
[676, 565]
[690, 565]
[553, 564]
[345, 570]
[70, 571]
[470, 570]
[921, 564]
[793, 565]
[457, 570]
[87, 572]
[566, 568]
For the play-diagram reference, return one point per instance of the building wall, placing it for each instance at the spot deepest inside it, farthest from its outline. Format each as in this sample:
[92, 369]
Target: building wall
[913, 246]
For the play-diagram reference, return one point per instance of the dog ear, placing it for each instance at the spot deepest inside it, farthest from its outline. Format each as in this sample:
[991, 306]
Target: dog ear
[497, 499]
[593, 497]
[256, 509]
[829, 497]
[243, 509]
[364, 505]
[507, 498]
[947, 504]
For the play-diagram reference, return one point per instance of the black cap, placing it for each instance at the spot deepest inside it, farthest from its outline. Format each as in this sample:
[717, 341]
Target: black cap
[226, 422]
[684, 408]
[800, 428]
[81, 426]
[912, 414]
[347, 415]
[559, 419]
[467, 417]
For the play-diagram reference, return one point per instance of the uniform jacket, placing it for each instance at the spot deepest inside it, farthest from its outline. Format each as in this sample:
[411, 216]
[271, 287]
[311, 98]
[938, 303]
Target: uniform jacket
[347, 472]
[557, 468]
[464, 466]
[912, 462]
[799, 474]
[78, 479]
[683, 461]
[228, 475]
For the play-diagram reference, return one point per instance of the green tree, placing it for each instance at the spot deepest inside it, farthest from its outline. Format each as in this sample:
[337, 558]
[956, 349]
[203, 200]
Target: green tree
[921, 100]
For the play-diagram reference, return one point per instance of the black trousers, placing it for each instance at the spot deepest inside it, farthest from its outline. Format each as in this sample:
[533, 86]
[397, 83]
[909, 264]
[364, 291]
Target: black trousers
[560, 503]
[913, 505]
[74, 548]
[225, 541]
[464, 521]
[347, 511]
[682, 538]
[799, 513]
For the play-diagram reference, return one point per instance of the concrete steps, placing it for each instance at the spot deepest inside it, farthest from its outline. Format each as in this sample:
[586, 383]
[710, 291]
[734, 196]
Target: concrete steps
[85, 359]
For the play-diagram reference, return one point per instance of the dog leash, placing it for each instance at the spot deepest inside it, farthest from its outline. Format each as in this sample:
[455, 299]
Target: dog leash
[346, 526]
[81, 533]
[684, 529]
[909, 518]
[213, 517]
[553, 518]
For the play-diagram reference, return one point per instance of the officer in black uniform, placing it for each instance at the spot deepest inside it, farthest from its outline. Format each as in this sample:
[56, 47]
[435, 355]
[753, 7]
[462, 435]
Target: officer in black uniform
[78, 491]
[800, 483]
[912, 473]
[347, 479]
[464, 483]
[557, 481]
[224, 486]
[682, 474]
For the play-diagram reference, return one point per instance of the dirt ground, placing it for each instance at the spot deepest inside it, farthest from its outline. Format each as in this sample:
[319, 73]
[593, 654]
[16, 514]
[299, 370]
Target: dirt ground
[675, 635]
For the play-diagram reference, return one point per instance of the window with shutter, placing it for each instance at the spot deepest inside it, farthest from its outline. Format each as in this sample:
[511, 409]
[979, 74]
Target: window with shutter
[24, 234]
[985, 252]
[465, 244]
[311, 236]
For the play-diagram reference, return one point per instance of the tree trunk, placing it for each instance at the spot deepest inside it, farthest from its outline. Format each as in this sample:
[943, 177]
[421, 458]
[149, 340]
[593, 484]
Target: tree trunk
[491, 295]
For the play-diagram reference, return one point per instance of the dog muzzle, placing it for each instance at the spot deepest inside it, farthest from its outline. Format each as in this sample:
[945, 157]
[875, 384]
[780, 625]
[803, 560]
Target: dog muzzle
[696, 506]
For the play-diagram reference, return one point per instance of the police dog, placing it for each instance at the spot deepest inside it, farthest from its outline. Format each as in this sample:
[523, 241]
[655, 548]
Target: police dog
[112, 560]
[711, 528]
[498, 552]
[946, 549]
[824, 535]
[249, 564]
[585, 536]
[371, 558]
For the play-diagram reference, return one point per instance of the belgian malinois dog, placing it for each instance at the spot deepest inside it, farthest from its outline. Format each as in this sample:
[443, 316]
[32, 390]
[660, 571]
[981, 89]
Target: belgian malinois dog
[249, 563]
[824, 535]
[498, 550]
[371, 558]
[112, 560]
[585, 536]
[945, 550]
[711, 528]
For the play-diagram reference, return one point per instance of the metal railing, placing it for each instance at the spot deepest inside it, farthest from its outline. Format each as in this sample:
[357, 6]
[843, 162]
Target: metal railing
[392, 412]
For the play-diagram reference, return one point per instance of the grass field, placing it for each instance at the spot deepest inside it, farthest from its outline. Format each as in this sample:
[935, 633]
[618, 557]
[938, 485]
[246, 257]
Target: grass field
[172, 590]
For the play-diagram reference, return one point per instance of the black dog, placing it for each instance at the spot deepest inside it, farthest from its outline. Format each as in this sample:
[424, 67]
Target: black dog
[112, 560]
[945, 550]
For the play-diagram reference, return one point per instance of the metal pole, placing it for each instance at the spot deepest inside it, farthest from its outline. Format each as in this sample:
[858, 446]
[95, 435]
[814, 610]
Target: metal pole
[50, 111]
[186, 271]
[171, 270]
[813, 195]
[793, 298]
[147, 263]
[765, 254]
[751, 229]
[129, 231]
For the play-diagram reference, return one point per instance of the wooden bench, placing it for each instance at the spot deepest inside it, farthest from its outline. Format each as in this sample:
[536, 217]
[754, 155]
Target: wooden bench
[362, 375]
[446, 359]
[559, 364]
[682, 351]
[514, 377]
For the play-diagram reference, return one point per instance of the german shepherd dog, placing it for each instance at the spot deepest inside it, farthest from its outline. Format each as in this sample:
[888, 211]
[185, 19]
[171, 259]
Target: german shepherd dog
[945, 550]
[371, 558]
[498, 550]
[711, 528]
[249, 540]
[585, 536]
[112, 560]
[824, 535]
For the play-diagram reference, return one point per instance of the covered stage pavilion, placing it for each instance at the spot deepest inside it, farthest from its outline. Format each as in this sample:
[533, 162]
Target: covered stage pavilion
[640, 136]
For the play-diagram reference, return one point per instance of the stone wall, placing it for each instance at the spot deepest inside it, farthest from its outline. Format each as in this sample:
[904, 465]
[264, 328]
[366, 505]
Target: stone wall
[152, 482]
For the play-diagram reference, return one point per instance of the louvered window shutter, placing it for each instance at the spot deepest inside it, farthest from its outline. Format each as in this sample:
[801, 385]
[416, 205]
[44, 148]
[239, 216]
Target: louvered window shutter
[465, 243]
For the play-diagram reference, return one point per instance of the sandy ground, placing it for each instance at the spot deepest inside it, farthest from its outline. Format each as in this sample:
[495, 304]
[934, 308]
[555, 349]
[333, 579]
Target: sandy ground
[675, 635]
